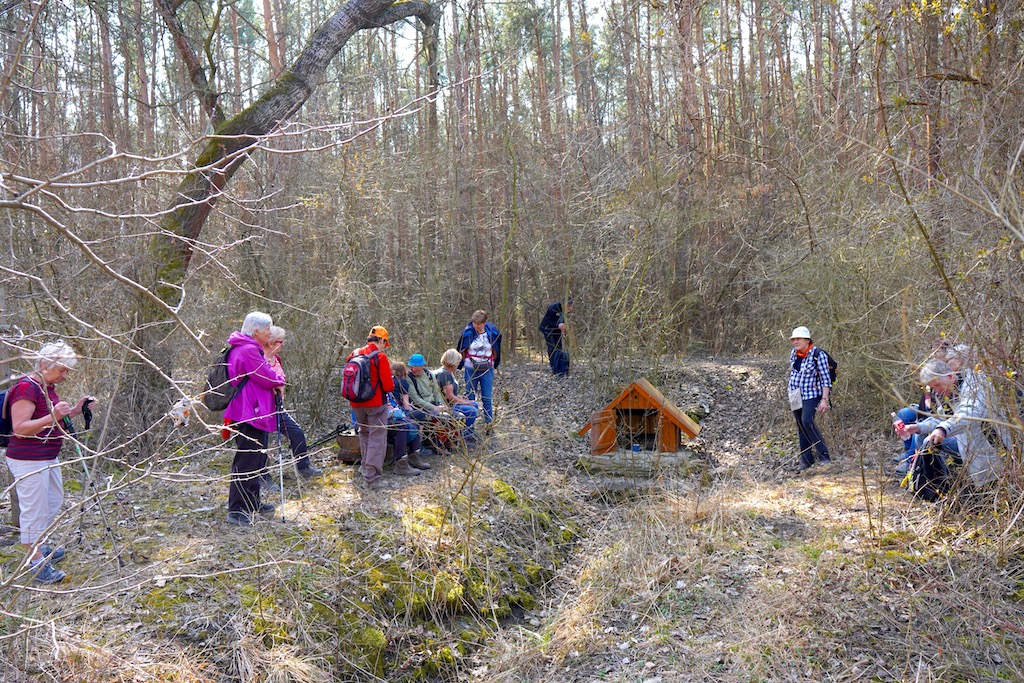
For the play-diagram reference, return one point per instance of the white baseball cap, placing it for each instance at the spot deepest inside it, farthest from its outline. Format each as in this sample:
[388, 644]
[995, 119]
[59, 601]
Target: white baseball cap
[800, 333]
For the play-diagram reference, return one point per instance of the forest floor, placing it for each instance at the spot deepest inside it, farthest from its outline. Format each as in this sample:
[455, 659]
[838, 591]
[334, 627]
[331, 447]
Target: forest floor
[510, 564]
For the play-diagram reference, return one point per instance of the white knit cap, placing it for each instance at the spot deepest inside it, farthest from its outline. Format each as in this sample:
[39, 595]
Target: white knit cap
[800, 333]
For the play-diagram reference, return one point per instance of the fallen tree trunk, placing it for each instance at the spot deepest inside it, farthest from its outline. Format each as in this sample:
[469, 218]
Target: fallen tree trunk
[641, 464]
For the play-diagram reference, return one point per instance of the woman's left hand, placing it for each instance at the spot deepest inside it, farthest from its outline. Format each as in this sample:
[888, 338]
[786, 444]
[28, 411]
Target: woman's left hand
[77, 410]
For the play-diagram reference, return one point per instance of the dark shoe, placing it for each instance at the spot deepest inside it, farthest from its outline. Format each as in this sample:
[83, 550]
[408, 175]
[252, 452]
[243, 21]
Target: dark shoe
[42, 572]
[403, 468]
[267, 509]
[824, 461]
[239, 519]
[802, 466]
[903, 468]
[54, 555]
[416, 461]
[310, 472]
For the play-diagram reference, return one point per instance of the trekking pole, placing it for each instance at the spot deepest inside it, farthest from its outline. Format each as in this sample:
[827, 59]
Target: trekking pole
[69, 427]
[332, 435]
[279, 403]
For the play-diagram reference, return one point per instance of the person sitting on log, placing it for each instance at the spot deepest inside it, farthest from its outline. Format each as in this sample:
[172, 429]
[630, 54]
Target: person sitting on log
[449, 387]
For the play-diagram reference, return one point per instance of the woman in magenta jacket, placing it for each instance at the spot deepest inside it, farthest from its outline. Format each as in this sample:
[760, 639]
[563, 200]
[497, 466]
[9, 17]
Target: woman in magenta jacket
[252, 414]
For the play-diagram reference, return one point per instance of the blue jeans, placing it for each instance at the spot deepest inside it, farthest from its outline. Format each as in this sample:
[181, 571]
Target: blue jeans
[482, 382]
[296, 439]
[470, 413]
[810, 437]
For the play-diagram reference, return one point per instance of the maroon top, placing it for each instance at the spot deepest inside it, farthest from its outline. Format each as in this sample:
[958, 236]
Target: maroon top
[46, 444]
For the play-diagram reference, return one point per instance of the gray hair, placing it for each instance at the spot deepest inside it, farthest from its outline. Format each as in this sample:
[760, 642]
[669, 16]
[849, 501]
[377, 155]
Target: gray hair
[277, 333]
[256, 320]
[960, 352]
[56, 353]
[935, 368]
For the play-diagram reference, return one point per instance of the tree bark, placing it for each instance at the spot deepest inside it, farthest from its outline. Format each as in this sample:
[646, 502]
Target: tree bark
[170, 250]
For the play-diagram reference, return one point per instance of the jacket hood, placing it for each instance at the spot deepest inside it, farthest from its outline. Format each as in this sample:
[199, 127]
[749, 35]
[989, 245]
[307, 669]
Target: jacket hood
[239, 339]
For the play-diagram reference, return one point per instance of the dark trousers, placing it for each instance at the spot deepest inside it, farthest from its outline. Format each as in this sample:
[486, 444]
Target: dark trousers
[810, 437]
[558, 357]
[249, 463]
[404, 436]
[296, 439]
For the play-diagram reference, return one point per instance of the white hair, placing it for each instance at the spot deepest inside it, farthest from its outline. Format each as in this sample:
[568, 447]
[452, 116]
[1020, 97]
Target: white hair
[277, 333]
[935, 368]
[256, 320]
[56, 353]
[960, 352]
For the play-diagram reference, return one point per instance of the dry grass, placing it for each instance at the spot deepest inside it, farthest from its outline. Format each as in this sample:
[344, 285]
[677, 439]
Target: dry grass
[748, 572]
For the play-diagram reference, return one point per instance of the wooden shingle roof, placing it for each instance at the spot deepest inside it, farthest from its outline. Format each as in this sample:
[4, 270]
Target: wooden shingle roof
[643, 394]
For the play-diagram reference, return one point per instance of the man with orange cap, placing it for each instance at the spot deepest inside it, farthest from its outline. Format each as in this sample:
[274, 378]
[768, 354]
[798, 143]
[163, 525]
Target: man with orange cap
[372, 415]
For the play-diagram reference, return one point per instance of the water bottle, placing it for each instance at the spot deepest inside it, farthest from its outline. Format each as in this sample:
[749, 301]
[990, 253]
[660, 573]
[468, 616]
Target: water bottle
[897, 424]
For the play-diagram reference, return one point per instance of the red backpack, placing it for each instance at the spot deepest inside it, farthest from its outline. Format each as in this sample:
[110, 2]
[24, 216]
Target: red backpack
[356, 383]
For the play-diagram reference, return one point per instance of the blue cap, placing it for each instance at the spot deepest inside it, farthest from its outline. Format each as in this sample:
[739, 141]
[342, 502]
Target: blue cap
[417, 360]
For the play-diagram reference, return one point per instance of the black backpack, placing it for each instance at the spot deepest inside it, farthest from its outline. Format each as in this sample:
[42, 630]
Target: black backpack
[219, 390]
[929, 474]
[6, 426]
[356, 385]
[832, 365]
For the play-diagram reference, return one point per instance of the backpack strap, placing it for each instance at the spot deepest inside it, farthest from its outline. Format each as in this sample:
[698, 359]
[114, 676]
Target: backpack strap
[817, 371]
[245, 379]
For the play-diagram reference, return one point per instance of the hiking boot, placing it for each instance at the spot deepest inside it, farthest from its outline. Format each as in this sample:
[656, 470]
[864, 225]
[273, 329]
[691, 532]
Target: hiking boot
[903, 468]
[43, 573]
[403, 468]
[266, 482]
[802, 467]
[54, 555]
[824, 461]
[310, 471]
[416, 461]
[239, 518]
[267, 509]
[371, 484]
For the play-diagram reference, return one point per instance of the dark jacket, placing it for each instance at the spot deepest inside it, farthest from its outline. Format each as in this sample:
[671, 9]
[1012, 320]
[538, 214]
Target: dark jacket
[549, 323]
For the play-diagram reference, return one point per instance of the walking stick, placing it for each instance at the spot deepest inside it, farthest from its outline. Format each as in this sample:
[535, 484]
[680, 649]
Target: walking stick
[69, 427]
[339, 429]
[279, 403]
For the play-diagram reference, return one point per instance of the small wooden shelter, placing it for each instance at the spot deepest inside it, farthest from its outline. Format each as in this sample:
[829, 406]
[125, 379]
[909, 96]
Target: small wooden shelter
[639, 417]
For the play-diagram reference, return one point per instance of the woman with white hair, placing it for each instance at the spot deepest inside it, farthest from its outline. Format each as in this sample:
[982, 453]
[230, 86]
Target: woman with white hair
[288, 426]
[252, 414]
[38, 429]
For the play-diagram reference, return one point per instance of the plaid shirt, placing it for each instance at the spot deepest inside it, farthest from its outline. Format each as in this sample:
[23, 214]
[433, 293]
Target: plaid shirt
[811, 376]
